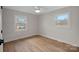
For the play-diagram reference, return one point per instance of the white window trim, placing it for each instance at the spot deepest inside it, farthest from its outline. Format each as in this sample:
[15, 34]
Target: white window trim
[68, 24]
[18, 22]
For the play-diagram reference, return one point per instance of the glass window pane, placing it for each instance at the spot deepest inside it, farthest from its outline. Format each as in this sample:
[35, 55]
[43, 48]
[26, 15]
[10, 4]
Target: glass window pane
[20, 24]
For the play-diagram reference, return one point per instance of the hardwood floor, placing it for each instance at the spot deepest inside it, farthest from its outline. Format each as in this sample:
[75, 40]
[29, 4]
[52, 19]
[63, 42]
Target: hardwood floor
[38, 44]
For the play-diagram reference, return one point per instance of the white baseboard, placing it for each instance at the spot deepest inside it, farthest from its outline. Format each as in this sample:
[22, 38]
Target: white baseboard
[60, 40]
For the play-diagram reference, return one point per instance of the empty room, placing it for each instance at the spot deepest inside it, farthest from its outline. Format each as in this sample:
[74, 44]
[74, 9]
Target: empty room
[39, 28]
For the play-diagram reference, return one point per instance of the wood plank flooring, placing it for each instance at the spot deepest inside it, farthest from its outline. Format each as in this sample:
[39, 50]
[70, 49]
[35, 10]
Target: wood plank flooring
[38, 44]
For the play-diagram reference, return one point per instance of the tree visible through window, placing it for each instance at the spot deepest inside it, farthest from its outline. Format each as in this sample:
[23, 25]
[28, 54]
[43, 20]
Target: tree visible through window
[63, 20]
[20, 23]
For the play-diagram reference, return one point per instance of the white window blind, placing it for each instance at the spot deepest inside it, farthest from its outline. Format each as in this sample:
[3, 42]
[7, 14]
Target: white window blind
[21, 22]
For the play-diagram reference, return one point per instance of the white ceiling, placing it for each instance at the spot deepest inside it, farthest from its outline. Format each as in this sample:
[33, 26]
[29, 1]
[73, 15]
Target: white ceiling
[30, 9]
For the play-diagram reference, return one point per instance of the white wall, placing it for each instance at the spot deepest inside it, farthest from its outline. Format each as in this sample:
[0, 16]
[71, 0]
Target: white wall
[9, 31]
[68, 35]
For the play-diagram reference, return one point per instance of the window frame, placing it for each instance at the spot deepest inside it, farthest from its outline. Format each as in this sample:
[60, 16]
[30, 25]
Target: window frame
[68, 25]
[16, 21]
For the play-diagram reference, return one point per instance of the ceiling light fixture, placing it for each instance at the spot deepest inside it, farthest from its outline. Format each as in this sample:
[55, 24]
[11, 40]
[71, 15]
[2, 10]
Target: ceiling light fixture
[37, 9]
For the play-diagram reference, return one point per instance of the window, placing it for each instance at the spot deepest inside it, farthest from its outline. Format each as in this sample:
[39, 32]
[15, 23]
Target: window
[21, 23]
[62, 20]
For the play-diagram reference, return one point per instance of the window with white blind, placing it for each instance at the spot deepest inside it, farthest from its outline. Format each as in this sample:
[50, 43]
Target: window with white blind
[21, 22]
